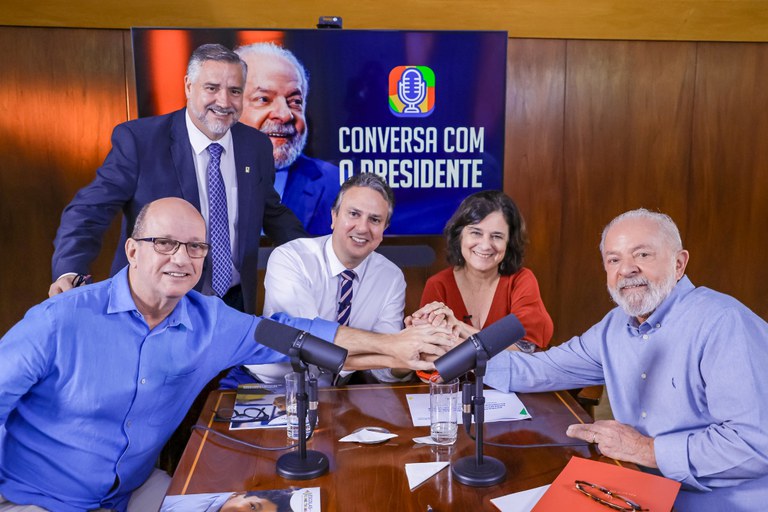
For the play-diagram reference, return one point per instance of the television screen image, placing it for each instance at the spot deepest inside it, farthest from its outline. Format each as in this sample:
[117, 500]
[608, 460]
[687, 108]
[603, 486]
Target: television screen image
[423, 109]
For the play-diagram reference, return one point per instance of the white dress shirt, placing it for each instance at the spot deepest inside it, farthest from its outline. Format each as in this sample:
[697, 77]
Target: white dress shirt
[303, 280]
[200, 156]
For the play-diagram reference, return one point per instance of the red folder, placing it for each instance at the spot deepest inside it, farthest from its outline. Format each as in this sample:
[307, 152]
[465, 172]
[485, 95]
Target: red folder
[651, 492]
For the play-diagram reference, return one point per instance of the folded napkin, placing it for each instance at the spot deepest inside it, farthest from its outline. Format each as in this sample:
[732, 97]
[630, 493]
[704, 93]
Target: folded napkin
[427, 440]
[367, 436]
[419, 472]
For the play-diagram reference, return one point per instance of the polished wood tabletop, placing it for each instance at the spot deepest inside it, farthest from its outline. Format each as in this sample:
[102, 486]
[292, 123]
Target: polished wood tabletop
[372, 477]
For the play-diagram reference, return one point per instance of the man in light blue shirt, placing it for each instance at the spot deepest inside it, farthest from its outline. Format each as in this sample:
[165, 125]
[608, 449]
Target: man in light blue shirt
[94, 381]
[685, 369]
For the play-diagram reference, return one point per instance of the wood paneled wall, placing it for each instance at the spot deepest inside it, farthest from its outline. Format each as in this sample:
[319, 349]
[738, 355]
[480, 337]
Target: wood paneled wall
[659, 20]
[593, 128]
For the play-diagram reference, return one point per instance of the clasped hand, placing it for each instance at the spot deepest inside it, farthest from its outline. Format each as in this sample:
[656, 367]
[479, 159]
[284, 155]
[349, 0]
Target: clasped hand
[438, 314]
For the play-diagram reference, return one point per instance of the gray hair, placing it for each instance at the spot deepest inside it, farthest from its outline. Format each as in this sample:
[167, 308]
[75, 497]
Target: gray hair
[667, 226]
[141, 219]
[372, 181]
[214, 52]
[277, 51]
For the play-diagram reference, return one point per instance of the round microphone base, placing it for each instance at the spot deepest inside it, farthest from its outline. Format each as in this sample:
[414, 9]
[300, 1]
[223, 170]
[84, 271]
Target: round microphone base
[293, 467]
[491, 472]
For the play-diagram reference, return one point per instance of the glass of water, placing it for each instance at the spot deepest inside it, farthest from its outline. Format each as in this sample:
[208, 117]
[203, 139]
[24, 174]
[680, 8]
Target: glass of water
[443, 409]
[291, 404]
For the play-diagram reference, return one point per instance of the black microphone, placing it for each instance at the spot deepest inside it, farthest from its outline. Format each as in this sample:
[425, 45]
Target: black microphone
[312, 392]
[312, 350]
[466, 405]
[491, 340]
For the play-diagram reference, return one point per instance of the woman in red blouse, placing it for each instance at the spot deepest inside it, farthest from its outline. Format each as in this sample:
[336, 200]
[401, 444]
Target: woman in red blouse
[486, 281]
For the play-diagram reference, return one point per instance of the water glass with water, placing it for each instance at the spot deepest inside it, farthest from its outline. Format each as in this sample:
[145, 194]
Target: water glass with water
[443, 409]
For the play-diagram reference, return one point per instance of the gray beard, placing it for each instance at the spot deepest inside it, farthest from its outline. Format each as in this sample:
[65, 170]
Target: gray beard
[286, 154]
[642, 304]
[216, 127]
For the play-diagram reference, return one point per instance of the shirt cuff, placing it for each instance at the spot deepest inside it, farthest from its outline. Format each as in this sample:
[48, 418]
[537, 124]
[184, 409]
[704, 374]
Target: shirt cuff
[498, 371]
[323, 329]
[671, 452]
[70, 274]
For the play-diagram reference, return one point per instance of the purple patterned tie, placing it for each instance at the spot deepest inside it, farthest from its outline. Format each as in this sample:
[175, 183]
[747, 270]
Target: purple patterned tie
[345, 297]
[218, 224]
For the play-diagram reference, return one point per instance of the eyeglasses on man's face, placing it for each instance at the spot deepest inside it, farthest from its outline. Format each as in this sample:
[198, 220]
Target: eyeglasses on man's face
[170, 246]
[607, 497]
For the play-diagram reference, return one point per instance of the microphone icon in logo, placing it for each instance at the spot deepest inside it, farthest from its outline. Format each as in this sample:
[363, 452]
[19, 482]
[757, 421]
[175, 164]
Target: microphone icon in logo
[411, 90]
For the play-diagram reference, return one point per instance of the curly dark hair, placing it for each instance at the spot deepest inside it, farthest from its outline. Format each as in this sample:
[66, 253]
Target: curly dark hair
[474, 209]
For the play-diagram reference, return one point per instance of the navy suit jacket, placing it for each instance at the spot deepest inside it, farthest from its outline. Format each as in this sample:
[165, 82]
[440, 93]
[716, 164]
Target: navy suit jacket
[151, 158]
[310, 190]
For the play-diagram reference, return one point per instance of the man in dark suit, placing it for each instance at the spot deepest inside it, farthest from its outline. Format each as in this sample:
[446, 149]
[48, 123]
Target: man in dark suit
[168, 155]
[274, 102]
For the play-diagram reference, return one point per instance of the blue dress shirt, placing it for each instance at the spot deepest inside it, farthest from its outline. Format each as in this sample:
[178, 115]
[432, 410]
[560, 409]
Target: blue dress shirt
[89, 394]
[692, 376]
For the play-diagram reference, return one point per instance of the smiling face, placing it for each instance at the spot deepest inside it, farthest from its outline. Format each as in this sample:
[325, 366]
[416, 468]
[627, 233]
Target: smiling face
[215, 97]
[358, 225]
[159, 281]
[483, 245]
[274, 104]
[641, 265]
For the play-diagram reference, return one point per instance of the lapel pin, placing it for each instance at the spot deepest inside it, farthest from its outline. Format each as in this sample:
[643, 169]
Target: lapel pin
[247, 170]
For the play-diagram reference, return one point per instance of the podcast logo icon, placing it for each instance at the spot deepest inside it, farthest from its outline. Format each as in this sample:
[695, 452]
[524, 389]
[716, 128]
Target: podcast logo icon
[411, 91]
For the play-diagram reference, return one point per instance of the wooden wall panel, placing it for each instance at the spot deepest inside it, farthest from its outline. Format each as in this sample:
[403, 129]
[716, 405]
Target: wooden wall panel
[628, 112]
[63, 91]
[728, 191]
[708, 20]
[533, 157]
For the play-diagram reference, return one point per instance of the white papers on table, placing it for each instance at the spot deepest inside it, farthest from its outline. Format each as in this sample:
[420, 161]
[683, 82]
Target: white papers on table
[498, 407]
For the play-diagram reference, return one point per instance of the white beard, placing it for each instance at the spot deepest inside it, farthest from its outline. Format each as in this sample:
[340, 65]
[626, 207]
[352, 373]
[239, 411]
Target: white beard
[642, 302]
[285, 154]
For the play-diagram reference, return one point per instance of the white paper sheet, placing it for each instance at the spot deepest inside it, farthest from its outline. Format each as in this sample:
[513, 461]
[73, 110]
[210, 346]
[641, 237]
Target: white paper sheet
[498, 407]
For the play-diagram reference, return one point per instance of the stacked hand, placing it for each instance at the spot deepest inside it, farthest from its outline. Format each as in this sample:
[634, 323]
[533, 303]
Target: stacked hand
[417, 346]
[438, 314]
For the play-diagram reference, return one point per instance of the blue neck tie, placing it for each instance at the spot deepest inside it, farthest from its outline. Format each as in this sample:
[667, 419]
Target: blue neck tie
[345, 297]
[218, 224]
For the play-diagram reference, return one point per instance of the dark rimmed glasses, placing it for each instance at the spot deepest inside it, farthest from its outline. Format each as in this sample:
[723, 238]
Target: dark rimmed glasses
[243, 416]
[170, 246]
[607, 497]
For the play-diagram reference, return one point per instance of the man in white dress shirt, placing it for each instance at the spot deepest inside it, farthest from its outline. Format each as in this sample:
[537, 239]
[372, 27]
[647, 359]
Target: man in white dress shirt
[304, 277]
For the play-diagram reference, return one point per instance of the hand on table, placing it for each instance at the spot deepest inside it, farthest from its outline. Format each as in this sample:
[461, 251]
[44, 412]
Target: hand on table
[617, 441]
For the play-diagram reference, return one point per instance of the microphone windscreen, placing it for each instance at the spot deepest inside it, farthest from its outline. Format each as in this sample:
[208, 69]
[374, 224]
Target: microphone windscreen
[493, 339]
[277, 336]
[501, 334]
[458, 361]
[322, 353]
[280, 337]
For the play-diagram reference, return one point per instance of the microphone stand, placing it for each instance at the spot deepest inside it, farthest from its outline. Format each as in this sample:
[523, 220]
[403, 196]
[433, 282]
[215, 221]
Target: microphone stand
[302, 464]
[479, 471]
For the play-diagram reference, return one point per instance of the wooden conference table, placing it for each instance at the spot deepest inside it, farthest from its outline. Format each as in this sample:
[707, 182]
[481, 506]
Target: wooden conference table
[372, 477]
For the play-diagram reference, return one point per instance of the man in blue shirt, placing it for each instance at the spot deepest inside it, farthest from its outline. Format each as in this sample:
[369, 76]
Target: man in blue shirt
[684, 368]
[94, 381]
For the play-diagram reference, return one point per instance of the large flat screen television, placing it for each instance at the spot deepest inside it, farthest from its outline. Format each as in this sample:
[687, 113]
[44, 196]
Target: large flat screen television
[424, 109]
